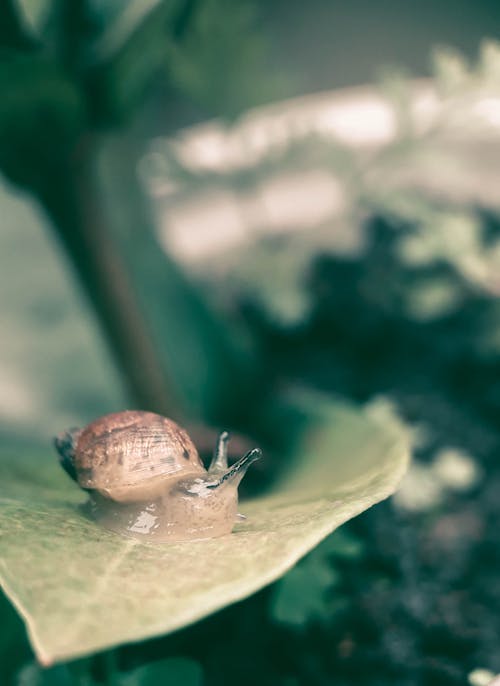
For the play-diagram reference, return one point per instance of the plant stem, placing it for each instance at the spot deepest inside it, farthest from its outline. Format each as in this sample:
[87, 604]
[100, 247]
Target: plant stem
[208, 361]
[79, 223]
[174, 353]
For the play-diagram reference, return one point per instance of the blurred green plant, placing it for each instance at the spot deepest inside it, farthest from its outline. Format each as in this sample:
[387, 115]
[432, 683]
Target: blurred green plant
[73, 72]
[217, 68]
[310, 591]
[431, 174]
[169, 672]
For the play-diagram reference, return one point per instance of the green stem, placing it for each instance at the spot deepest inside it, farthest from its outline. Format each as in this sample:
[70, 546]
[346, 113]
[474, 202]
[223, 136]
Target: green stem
[207, 360]
[80, 226]
[178, 358]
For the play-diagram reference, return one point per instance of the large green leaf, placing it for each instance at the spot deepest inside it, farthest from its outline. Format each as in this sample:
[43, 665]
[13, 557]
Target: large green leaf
[81, 589]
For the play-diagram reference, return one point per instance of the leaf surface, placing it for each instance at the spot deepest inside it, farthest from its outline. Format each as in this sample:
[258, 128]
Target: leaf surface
[81, 589]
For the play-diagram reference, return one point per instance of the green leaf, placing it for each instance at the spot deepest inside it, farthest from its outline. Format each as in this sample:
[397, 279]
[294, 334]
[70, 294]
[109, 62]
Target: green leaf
[81, 589]
[34, 675]
[34, 12]
[223, 61]
[41, 117]
[302, 595]
[175, 671]
[130, 52]
[14, 650]
[22, 21]
[120, 21]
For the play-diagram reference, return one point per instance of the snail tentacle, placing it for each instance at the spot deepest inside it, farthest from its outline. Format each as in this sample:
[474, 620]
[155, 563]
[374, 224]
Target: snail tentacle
[219, 459]
[236, 473]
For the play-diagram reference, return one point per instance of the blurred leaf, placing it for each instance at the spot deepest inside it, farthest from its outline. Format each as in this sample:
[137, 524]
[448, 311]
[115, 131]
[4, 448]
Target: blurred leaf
[81, 589]
[489, 62]
[223, 63]
[129, 53]
[34, 675]
[112, 49]
[58, 26]
[120, 21]
[341, 545]
[32, 14]
[41, 115]
[301, 596]
[171, 672]
[23, 18]
[213, 51]
[14, 648]
[450, 68]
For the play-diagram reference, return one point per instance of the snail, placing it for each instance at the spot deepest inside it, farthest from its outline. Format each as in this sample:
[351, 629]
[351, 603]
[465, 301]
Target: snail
[145, 478]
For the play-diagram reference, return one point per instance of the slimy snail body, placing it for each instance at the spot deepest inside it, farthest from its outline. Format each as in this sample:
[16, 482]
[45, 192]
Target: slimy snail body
[145, 478]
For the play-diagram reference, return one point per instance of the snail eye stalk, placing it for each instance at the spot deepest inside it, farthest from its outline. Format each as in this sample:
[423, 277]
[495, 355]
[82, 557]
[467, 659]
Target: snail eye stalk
[236, 473]
[219, 459]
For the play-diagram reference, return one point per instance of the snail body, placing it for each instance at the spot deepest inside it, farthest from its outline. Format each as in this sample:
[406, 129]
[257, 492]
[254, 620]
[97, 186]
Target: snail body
[145, 478]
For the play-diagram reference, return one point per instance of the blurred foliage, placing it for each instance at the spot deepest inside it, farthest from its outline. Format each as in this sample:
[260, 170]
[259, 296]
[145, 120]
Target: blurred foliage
[308, 593]
[432, 175]
[41, 115]
[200, 64]
[112, 52]
[170, 672]
[410, 311]
[70, 73]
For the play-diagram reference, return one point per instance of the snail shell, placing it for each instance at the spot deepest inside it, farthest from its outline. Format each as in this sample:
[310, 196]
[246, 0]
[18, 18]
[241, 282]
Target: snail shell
[125, 456]
[145, 477]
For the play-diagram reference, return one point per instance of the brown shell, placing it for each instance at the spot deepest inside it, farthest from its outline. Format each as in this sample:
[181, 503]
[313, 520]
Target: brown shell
[126, 448]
